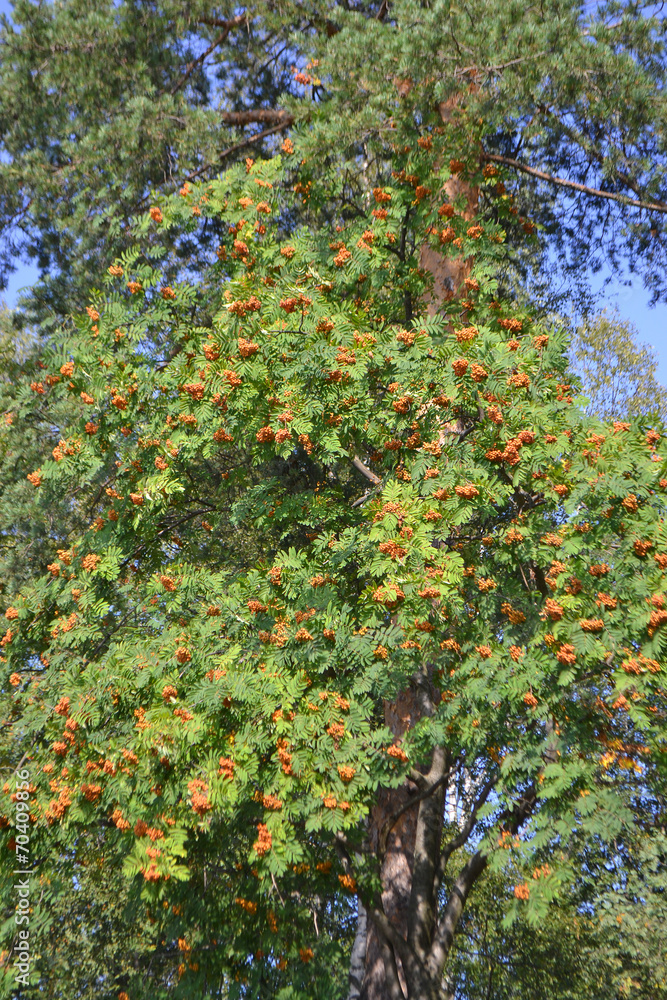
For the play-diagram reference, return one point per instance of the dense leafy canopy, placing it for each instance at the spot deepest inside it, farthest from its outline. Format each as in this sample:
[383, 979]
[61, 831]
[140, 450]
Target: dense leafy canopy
[419, 505]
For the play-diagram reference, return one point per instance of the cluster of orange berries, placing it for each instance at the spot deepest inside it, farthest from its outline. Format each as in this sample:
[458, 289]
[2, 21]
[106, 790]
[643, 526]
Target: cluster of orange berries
[566, 654]
[348, 882]
[264, 840]
[119, 820]
[342, 257]
[599, 569]
[247, 347]
[198, 790]
[284, 756]
[57, 807]
[591, 624]
[242, 307]
[246, 904]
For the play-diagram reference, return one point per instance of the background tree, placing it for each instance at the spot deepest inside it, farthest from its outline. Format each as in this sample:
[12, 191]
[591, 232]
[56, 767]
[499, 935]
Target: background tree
[618, 371]
[603, 939]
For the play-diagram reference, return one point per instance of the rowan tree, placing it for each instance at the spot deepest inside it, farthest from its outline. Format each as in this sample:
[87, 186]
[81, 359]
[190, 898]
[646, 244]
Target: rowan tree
[438, 646]
[100, 105]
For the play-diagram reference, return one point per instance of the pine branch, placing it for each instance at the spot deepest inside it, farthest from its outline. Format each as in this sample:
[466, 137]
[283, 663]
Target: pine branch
[651, 206]
[239, 145]
[222, 37]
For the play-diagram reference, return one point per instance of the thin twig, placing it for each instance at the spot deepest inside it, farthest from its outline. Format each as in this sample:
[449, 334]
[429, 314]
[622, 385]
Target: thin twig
[228, 25]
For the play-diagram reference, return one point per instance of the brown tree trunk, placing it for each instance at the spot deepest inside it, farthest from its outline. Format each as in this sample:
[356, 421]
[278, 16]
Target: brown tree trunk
[396, 868]
[410, 850]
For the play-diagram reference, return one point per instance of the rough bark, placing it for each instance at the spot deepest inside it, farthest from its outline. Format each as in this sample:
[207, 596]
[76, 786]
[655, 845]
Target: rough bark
[396, 867]
[358, 955]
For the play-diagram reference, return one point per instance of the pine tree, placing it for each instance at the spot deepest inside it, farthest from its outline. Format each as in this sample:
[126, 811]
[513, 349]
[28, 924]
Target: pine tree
[103, 105]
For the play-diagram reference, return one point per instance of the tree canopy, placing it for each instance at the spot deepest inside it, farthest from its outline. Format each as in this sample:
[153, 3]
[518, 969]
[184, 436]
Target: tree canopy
[100, 105]
[335, 625]
[427, 511]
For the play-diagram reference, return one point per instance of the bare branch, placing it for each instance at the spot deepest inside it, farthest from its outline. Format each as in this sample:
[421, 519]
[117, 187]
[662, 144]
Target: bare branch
[442, 942]
[239, 145]
[365, 471]
[650, 206]
[268, 116]
[220, 22]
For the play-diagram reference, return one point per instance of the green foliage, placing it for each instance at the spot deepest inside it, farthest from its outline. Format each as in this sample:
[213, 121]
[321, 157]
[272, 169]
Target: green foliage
[29, 536]
[103, 104]
[605, 937]
[418, 503]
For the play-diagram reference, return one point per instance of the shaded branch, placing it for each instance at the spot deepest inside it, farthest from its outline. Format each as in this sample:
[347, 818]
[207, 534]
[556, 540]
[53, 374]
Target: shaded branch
[392, 981]
[365, 471]
[222, 37]
[239, 145]
[221, 22]
[390, 936]
[268, 116]
[457, 899]
[423, 895]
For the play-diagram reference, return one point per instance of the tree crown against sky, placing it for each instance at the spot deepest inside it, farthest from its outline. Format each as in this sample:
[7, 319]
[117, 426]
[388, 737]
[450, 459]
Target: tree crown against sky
[617, 370]
[101, 105]
[446, 580]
